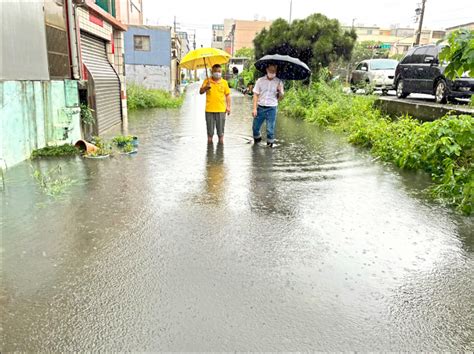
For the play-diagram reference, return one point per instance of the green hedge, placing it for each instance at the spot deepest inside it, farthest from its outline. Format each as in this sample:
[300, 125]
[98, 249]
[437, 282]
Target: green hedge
[443, 148]
[139, 97]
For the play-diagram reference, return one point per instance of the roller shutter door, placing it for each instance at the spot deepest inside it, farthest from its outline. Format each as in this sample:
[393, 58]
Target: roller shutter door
[106, 82]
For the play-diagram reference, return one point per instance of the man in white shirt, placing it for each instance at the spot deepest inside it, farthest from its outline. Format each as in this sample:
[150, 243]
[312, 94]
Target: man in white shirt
[267, 92]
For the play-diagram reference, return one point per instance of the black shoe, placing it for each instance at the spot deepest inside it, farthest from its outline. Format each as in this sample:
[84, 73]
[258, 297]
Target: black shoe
[270, 145]
[257, 140]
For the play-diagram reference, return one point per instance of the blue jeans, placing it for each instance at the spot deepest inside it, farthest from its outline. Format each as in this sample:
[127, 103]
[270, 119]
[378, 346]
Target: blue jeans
[267, 114]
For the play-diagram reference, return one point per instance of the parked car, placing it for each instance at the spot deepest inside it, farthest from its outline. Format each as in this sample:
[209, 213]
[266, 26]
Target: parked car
[421, 71]
[377, 73]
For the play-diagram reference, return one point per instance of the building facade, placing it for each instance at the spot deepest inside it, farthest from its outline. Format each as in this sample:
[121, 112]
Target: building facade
[218, 36]
[398, 39]
[185, 43]
[176, 56]
[60, 54]
[233, 34]
[129, 12]
[467, 26]
[148, 56]
[39, 100]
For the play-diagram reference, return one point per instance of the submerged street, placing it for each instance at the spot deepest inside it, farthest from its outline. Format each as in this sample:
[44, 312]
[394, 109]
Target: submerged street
[312, 245]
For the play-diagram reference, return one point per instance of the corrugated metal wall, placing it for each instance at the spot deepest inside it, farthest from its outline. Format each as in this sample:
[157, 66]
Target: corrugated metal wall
[106, 82]
[23, 41]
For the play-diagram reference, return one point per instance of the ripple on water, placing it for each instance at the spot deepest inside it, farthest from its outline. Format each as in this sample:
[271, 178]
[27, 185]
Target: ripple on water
[190, 247]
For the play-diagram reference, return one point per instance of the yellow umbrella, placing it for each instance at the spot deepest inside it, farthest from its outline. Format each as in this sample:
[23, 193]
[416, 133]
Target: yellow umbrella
[204, 58]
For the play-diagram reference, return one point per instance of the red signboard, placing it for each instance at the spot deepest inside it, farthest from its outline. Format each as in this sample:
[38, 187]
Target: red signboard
[96, 20]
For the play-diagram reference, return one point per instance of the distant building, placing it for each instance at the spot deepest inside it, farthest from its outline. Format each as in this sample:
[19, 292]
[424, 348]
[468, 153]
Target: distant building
[176, 56]
[185, 43]
[148, 56]
[129, 12]
[218, 36]
[185, 48]
[399, 40]
[233, 34]
[467, 26]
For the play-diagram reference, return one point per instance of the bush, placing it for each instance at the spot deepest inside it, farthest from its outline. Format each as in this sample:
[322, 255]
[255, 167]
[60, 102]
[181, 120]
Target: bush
[87, 118]
[55, 151]
[140, 97]
[443, 148]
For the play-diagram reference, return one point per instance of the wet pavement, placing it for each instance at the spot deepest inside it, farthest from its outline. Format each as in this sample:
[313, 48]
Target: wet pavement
[312, 245]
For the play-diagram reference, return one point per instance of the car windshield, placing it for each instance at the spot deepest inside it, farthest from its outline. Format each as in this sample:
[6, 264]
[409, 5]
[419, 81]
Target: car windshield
[386, 64]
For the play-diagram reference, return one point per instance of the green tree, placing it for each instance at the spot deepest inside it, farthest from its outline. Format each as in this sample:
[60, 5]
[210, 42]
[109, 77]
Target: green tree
[316, 40]
[459, 54]
[245, 53]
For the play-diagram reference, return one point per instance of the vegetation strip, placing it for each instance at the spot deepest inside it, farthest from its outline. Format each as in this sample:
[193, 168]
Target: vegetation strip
[55, 151]
[443, 148]
[139, 97]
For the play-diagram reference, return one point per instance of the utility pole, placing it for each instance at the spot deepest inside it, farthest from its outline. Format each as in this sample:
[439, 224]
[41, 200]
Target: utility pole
[174, 24]
[353, 21]
[194, 40]
[291, 9]
[420, 25]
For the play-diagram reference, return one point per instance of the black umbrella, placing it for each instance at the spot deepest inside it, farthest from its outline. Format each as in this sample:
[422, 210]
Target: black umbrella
[289, 68]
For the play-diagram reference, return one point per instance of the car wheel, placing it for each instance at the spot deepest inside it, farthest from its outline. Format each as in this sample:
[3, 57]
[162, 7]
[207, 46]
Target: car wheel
[441, 91]
[353, 87]
[384, 92]
[400, 90]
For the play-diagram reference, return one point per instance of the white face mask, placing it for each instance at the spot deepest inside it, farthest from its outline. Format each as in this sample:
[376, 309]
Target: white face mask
[271, 75]
[217, 75]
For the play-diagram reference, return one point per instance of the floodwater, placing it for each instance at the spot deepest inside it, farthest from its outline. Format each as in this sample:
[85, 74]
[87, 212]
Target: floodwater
[312, 245]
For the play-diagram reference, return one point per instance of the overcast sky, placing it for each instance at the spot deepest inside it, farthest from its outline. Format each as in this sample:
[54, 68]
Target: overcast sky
[199, 14]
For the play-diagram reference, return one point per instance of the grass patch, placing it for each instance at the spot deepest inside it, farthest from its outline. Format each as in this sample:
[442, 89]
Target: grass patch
[443, 148]
[139, 97]
[52, 182]
[55, 151]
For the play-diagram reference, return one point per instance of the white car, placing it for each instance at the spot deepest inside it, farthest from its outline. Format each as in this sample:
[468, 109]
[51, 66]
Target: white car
[375, 73]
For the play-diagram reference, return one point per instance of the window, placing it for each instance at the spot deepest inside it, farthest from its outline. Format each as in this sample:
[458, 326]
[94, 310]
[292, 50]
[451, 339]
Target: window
[141, 43]
[359, 66]
[408, 56]
[383, 64]
[418, 56]
[432, 51]
[219, 39]
[369, 31]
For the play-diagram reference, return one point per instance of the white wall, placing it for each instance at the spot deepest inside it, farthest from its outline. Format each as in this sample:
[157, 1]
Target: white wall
[150, 76]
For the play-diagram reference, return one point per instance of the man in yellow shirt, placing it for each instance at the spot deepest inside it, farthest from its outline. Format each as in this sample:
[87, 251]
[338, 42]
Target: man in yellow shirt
[217, 103]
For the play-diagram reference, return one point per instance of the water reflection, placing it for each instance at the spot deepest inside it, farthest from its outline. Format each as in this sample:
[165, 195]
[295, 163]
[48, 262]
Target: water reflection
[214, 175]
[265, 196]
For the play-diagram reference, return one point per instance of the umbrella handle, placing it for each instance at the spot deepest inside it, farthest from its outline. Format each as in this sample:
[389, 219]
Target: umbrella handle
[205, 68]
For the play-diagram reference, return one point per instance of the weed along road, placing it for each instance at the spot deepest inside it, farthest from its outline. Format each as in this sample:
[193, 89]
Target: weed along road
[312, 245]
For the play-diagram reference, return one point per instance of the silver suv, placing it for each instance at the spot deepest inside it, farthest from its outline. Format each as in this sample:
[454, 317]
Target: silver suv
[375, 73]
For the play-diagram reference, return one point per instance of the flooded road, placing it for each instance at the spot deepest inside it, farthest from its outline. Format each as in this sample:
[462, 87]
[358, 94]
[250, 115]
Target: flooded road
[189, 247]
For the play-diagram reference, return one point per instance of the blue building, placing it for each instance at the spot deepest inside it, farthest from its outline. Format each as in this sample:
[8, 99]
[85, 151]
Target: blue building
[148, 56]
